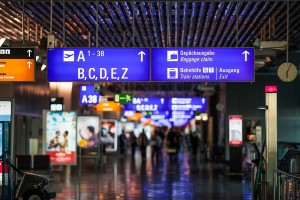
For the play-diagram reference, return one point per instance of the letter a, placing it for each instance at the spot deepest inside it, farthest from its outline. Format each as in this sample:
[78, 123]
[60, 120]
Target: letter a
[81, 56]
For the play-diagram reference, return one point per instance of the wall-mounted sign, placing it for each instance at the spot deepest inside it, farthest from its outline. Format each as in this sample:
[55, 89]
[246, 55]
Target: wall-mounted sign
[235, 130]
[202, 64]
[87, 95]
[61, 137]
[17, 64]
[98, 64]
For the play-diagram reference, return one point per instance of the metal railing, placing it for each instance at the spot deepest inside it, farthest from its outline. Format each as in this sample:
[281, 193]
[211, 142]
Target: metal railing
[286, 180]
[286, 185]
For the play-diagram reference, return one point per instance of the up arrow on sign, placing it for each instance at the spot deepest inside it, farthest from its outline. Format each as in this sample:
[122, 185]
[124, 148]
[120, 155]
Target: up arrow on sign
[123, 98]
[246, 55]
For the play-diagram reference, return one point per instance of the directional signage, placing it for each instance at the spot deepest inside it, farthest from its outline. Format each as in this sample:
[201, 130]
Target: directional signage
[87, 95]
[123, 98]
[17, 65]
[187, 104]
[182, 115]
[167, 104]
[146, 104]
[98, 64]
[202, 64]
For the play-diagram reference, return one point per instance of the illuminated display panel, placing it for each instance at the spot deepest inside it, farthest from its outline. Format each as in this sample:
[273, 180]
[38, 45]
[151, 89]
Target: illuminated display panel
[17, 65]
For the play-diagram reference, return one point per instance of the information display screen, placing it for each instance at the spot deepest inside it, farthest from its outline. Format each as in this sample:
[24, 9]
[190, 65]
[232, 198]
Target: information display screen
[98, 64]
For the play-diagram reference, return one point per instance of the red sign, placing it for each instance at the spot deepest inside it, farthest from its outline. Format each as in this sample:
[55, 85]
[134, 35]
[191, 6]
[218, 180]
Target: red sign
[62, 157]
[271, 89]
[5, 168]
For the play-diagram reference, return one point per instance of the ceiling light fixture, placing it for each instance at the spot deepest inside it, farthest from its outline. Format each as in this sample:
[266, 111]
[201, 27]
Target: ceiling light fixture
[4, 42]
[43, 67]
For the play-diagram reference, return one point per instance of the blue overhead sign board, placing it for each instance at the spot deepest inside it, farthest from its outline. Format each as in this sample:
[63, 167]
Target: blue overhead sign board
[187, 104]
[167, 104]
[87, 95]
[98, 64]
[146, 104]
[202, 64]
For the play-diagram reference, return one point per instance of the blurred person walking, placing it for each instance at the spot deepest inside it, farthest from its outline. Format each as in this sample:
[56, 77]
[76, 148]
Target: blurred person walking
[143, 143]
[133, 142]
[156, 143]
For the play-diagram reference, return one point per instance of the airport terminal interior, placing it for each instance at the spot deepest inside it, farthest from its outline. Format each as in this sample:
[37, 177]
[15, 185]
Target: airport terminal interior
[189, 100]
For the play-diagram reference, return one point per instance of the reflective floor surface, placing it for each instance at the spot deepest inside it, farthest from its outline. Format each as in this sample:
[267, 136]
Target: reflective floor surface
[121, 177]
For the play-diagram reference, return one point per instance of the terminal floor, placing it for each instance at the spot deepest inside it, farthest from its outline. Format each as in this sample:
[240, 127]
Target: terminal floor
[125, 178]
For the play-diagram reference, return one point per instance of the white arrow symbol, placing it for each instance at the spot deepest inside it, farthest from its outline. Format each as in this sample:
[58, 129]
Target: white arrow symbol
[29, 52]
[142, 55]
[246, 53]
[29, 63]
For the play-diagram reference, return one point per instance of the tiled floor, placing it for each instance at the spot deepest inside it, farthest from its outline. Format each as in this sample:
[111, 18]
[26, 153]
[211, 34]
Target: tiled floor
[125, 178]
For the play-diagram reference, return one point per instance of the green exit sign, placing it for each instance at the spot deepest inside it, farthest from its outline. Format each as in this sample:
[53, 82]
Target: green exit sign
[123, 98]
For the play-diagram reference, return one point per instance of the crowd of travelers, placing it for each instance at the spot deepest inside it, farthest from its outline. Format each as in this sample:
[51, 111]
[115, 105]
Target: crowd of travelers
[162, 140]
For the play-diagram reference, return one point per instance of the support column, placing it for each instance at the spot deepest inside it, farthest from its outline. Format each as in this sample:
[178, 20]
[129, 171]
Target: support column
[271, 137]
[210, 151]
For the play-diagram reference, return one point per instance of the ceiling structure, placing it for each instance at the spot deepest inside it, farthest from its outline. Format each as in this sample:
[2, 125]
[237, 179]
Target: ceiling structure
[154, 24]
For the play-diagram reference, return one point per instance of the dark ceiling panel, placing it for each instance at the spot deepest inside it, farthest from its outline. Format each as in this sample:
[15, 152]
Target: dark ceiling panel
[150, 23]
[153, 24]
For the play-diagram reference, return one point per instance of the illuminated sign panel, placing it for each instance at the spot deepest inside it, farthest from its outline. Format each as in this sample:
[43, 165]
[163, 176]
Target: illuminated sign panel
[167, 104]
[98, 64]
[147, 104]
[17, 65]
[87, 95]
[61, 138]
[271, 89]
[187, 104]
[202, 64]
[235, 130]
[107, 106]
[88, 128]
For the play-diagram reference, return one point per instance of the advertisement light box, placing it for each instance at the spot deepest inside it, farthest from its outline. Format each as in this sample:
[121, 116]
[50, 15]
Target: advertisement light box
[235, 130]
[61, 137]
[88, 138]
